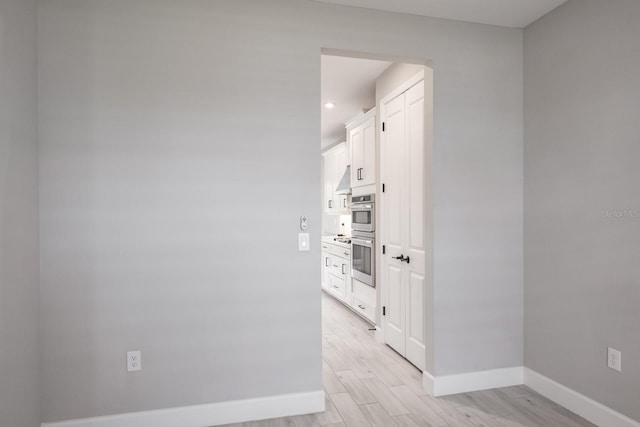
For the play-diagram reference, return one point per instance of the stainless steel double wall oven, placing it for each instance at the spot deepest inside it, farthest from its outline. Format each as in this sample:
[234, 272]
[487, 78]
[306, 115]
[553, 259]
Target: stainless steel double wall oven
[363, 247]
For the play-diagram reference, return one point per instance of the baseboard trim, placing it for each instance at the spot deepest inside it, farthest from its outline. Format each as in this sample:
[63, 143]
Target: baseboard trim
[582, 405]
[237, 411]
[472, 381]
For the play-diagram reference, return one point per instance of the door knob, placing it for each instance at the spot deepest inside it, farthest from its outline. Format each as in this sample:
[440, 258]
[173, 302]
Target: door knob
[402, 258]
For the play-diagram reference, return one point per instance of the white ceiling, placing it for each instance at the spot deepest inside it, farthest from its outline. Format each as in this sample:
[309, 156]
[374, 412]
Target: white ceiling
[350, 84]
[506, 13]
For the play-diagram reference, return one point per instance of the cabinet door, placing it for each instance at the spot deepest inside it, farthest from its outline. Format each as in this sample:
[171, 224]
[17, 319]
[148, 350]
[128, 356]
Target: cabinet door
[368, 159]
[362, 140]
[326, 262]
[340, 165]
[356, 139]
[329, 179]
[335, 164]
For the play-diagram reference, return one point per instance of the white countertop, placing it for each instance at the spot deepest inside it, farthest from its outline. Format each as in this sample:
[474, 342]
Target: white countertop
[329, 239]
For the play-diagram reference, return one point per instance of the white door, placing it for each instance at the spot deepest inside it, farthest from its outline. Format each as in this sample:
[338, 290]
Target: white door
[392, 162]
[403, 230]
[415, 218]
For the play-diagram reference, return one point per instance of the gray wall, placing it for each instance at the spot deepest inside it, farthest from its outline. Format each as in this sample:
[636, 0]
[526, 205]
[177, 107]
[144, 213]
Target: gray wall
[179, 147]
[582, 210]
[19, 365]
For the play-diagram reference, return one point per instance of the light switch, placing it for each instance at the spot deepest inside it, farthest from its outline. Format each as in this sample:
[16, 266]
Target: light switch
[303, 242]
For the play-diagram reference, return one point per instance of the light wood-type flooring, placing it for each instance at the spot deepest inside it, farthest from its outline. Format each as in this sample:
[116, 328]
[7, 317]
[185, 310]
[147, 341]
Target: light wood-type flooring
[368, 384]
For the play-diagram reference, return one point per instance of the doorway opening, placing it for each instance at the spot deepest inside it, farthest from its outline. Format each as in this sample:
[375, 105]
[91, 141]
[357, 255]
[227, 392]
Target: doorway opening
[376, 274]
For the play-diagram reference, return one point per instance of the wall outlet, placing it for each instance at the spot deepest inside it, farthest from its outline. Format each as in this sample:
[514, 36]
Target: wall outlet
[614, 359]
[134, 361]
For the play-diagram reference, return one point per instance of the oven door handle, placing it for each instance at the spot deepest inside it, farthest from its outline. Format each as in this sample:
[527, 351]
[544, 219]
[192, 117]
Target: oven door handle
[367, 243]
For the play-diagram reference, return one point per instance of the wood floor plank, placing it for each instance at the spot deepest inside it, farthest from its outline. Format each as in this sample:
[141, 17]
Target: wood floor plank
[330, 415]
[349, 410]
[410, 420]
[391, 404]
[377, 416]
[409, 375]
[330, 380]
[383, 373]
[304, 421]
[417, 406]
[334, 360]
[355, 388]
[448, 412]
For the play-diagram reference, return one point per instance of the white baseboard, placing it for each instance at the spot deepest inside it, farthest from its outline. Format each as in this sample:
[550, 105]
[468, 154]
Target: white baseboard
[427, 382]
[582, 405]
[472, 381]
[237, 411]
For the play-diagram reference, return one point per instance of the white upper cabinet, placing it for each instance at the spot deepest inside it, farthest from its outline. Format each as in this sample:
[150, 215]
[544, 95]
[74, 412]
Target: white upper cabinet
[335, 164]
[362, 142]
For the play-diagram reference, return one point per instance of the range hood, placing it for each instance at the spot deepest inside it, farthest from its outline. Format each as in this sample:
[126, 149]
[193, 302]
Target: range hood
[344, 186]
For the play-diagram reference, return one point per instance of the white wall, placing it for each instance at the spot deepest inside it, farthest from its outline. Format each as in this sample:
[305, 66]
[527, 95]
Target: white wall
[19, 365]
[582, 211]
[178, 149]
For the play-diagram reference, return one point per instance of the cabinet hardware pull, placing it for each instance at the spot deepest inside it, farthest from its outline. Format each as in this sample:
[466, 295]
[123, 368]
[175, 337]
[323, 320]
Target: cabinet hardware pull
[344, 203]
[326, 261]
[330, 204]
[361, 306]
[343, 265]
[335, 287]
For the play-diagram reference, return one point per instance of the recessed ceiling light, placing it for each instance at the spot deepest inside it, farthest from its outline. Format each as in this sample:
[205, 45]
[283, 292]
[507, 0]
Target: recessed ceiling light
[329, 105]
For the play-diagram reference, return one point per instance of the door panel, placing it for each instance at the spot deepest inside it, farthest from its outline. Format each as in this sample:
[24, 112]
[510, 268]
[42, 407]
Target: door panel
[415, 161]
[415, 320]
[403, 221]
[392, 151]
[395, 313]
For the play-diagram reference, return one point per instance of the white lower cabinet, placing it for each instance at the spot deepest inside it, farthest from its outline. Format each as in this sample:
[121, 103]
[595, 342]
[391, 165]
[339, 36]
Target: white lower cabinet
[363, 300]
[338, 287]
[337, 282]
[326, 263]
[336, 271]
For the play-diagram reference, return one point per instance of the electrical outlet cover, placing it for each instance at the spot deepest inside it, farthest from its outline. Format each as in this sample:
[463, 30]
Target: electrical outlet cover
[134, 361]
[614, 359]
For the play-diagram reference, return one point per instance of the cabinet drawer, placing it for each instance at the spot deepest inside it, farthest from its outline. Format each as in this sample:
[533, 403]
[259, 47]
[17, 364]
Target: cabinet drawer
[341, 252]
[364, 292]
[337, 286]
[340, 267]
[365, 308]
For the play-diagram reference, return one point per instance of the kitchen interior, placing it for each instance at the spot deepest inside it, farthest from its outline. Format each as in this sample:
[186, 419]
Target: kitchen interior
[374, 227]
